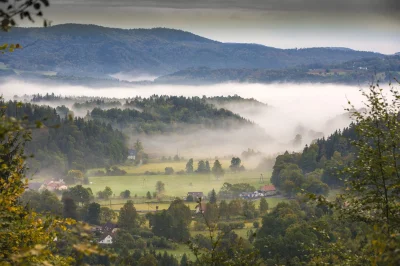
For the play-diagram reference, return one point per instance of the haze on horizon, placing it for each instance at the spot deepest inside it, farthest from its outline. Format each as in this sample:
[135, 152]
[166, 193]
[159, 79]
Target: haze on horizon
[368, 25]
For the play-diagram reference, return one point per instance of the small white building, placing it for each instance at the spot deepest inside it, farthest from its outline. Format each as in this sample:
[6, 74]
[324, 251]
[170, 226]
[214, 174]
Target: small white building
[107, 240]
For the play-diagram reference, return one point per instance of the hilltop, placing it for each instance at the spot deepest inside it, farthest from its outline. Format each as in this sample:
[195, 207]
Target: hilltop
[89, 50]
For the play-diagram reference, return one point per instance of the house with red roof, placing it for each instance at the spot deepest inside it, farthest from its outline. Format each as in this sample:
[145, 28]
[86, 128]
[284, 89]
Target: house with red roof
[268, 190]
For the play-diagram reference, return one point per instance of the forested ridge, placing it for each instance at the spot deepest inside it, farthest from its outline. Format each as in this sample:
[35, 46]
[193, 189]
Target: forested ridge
[163, 114]
[156, 51]
[64, 143]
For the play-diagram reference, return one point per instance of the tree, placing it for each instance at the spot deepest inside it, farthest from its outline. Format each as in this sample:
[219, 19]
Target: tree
[223, 209]
[93, 213]
[213, 197]
[128, 217]
[169, 170]
[148, 195]
[217, 169]
[44, 202]
[189, 166]
[107, 215]
[79, 194]
[211, 214]
[160, 187]
[74, 176]
[208, 169]
[123, 240]
[69, 210]
[263, 206]
[105, 194]
[249, 209]
[374, 175]
[21, 9]
[235, 164]
[176, 158]
[126, 194]
[184, 260]
[138, 146]
[147, 260]
[201, 167]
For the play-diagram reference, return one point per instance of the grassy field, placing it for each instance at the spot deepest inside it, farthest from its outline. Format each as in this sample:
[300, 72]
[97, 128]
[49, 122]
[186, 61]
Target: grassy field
[175, 185]
[178, 253]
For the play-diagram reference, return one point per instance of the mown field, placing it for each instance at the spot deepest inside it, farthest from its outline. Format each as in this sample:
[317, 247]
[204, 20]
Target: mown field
[175, 185]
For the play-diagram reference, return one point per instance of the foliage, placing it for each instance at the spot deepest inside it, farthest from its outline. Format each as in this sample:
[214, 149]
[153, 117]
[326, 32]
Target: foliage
[126, 194]
[21, 9]
[213, 197]
[78, 194]
[169, 170]
[128, 217]
[263, 206]
[105, 194]
[189, 166]
[160, 187]
[63, 144]
[217, 169]
[27, 238]
[236, 164]
[230, 191]
[107, 215]
[374, 179]
[43, 202]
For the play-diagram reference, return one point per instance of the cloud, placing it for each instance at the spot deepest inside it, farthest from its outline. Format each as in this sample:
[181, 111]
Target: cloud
[357, 6]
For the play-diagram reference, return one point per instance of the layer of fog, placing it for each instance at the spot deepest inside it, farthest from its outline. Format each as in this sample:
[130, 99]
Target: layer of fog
[312, 110]
[133, 77]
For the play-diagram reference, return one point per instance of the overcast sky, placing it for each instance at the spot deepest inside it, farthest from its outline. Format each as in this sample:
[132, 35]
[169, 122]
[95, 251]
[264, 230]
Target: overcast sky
[372, 25]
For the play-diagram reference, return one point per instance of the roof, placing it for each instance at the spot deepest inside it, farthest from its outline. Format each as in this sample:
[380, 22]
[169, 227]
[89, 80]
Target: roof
[194, 193]
[268, 188]
[34, 185]
[108, 227]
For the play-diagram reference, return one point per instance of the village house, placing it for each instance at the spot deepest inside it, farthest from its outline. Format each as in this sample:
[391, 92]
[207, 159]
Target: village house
[131, 154]
[109, 230]
[106, 240]
[251, 195]
[268, 190]
[196, 195]
[52, 185]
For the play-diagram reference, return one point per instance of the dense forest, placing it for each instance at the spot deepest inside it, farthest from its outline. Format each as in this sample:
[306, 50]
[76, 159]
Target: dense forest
[68, 143]
[163, 114]
[156, 51]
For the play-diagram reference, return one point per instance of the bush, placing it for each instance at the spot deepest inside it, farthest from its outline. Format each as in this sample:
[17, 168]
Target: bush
[256, 224]
[169, 170]
[181, 172]
[226, 227]
[199, 226]
[202, 241]
[146, 234]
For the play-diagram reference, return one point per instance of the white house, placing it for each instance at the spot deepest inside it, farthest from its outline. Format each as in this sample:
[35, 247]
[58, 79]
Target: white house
[106, 240]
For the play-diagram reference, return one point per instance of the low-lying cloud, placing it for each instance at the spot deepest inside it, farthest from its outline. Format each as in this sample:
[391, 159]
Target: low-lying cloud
[312, 110]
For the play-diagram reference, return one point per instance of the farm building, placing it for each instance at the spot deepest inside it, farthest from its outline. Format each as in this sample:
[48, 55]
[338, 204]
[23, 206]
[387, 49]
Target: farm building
[131, 154]
[268, 190]
[196, 195]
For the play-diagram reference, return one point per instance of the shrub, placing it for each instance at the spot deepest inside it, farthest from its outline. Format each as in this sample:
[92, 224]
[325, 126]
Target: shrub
[169, 170]
[256, 224]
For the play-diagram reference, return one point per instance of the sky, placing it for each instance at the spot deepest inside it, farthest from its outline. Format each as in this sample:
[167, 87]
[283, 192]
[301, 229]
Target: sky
[370, 25]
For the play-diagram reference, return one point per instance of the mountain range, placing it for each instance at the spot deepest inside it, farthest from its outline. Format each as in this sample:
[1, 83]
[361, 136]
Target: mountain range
[93, 51]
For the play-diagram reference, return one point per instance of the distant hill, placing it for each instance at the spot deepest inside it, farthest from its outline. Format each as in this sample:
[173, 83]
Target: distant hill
[88, 50]
[350, 72]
